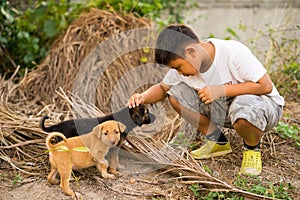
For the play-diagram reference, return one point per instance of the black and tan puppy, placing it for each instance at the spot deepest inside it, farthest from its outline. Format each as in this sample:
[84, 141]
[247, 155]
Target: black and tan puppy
[131, 118]
[82, 152]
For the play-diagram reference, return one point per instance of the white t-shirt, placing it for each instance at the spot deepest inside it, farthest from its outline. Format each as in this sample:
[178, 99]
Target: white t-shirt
[233, 63]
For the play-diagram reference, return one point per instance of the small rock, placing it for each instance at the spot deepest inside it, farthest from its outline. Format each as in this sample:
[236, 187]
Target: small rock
[132, 181]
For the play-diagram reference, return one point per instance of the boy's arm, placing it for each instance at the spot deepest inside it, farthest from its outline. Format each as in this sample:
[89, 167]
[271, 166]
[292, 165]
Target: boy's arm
[262, 86]
[210, 93]
[153, 94]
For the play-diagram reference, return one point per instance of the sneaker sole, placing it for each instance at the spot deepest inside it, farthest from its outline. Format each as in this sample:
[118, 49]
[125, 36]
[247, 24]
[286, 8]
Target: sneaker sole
[215, 154]
[250, 171]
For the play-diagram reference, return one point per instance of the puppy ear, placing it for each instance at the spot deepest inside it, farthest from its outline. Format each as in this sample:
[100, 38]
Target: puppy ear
[98, 130]
[122, 127]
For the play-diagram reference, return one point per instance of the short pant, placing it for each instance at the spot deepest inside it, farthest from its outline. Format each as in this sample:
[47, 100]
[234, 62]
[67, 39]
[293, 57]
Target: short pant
[259, 110]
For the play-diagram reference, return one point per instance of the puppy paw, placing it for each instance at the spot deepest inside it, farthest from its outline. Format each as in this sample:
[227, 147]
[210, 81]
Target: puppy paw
[108, 176]
[111, 176]
[114, 172]
[53, 181]
[70, 193]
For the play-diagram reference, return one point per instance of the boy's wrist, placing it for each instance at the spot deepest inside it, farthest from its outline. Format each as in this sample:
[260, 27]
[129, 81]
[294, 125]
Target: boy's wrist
[142, 98]
[221, 91]
[216, 91]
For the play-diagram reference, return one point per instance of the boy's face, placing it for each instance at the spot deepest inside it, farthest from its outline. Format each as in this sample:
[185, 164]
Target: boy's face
[183, 67]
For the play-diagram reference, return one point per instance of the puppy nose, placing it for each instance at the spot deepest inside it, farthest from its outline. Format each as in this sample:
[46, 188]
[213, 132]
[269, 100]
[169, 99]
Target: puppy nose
[113, 143]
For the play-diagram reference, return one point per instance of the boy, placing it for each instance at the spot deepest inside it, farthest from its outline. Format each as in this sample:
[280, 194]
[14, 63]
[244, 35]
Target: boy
[212, 84]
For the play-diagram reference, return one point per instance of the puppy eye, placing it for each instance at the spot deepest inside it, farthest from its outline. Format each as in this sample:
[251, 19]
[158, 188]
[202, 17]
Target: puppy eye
[116, 132]
[105, 133]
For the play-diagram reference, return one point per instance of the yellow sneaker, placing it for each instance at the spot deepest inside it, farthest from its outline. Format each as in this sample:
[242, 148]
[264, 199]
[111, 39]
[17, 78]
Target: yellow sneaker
[211, 149]
[251, 164]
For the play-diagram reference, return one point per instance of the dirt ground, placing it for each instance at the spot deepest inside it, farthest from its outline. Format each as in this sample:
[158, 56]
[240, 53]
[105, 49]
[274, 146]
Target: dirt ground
[281, 164]
[138, 181]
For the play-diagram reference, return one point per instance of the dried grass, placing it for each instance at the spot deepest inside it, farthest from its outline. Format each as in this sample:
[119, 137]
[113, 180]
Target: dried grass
[63, 63]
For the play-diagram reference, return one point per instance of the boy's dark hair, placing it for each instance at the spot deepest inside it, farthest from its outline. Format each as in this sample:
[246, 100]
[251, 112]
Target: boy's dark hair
[171, 43]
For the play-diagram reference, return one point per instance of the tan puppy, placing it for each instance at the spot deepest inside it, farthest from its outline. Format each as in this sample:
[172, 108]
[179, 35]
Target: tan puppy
[82, 152]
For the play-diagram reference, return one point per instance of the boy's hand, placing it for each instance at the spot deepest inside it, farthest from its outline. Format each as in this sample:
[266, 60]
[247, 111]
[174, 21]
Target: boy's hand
[135, 100]
[210, 93]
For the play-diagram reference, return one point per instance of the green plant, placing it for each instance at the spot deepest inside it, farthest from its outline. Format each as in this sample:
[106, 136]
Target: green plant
[28, 35]
[204, 195]
[207, 169]
[7, 15]
[289, 131]
[160, 11]
[255, 185]
[156, 198]
[230, 34]
[18, 179]
[195, 189]
[222, 195]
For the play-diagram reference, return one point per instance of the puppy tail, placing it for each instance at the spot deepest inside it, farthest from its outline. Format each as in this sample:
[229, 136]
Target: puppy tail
[42, 123]
[49, 145]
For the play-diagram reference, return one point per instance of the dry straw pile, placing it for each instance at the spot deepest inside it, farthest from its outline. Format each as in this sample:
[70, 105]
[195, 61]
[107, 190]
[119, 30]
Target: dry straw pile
[92, 69]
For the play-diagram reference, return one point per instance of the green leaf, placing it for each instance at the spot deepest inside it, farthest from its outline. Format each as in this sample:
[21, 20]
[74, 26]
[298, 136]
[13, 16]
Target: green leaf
[50, 27]
[28, 57]
[23, 35]
[40, 11]
[232, 32]
[8, 16]
[207, 169]
[3, 40]
[181, 134]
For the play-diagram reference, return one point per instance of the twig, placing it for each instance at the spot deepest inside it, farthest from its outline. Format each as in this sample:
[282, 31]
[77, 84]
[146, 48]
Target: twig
[23, 143]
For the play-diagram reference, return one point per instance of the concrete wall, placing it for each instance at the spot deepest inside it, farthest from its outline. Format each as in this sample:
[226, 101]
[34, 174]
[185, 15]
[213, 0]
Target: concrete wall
[248, 3]
[215, 16]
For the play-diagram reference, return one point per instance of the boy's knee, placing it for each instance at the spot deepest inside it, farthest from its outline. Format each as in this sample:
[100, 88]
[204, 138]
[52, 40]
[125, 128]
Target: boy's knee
[240, 122]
